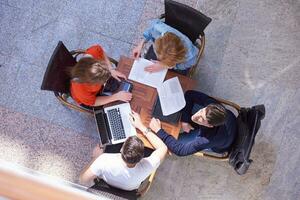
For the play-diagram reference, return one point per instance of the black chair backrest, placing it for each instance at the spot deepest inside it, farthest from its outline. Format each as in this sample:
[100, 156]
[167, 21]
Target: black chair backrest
[102, 188]
[56, 77]
[185, 19]
[249, 121]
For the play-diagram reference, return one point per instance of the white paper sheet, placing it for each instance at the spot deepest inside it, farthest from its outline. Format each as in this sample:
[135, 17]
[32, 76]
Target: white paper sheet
[138, 74]
[171, 96]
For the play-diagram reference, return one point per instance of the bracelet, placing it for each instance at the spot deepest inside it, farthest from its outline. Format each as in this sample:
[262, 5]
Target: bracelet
[147, 130]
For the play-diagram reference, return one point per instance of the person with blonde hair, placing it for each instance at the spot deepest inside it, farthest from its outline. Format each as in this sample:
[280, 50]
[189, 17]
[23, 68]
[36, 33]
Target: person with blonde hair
[90, 74]
[172, 49]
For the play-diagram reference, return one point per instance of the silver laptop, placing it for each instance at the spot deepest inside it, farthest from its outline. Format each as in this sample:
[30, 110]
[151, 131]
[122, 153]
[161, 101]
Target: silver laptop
[113, 124]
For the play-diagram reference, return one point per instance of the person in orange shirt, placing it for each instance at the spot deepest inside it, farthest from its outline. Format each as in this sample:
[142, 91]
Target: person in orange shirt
[90, 74]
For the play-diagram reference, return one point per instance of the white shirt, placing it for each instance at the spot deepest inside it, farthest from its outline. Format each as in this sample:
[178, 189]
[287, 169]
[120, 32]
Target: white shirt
[114, 171]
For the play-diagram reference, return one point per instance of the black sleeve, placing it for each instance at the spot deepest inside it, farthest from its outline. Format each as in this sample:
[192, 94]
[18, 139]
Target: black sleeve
[183, 149]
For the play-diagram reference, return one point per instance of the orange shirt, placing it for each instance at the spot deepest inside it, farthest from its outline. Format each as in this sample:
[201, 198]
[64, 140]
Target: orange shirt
[86, 93]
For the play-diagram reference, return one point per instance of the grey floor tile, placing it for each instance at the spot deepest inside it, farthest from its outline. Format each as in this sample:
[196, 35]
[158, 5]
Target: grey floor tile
[68, 118]
[10, 27]
[31, 47]
[49, 8]
[115, 20]
[4, 2]
[8, 74]
[30, 99]
[114, 48]
[22, 4]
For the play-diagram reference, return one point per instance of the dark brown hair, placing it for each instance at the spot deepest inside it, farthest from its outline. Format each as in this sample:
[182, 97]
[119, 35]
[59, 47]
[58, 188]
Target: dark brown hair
[170, 49]
[132, 150]
[215, 114]
[90, 70]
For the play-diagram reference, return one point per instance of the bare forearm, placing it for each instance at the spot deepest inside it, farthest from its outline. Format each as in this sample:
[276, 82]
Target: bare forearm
[103, 100]
[110, 67]
[84, 178]
[141, 44]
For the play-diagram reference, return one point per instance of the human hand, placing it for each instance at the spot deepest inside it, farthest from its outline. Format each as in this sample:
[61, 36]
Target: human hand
[123, 96]
[155, 125]
[136, 121]
[136, 52]
[186, 127]
[155, 67]
[117, 75]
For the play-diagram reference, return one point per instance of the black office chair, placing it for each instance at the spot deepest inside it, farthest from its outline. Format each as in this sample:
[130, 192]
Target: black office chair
[57, 79]
[188, 21]
[101, 187]
[248, 124]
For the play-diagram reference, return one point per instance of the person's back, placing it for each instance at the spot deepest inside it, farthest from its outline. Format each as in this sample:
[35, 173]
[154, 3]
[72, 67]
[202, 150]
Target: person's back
[114, 171]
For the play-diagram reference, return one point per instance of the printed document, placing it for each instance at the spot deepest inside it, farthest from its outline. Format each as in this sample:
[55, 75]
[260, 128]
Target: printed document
[138, 74]
[171, 96]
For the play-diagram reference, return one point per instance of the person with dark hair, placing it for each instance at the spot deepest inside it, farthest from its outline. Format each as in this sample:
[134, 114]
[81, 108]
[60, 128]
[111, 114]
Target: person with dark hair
[207, 125]
[128, 169]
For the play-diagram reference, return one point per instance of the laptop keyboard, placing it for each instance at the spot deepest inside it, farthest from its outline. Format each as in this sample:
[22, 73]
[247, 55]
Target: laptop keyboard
[116, 124]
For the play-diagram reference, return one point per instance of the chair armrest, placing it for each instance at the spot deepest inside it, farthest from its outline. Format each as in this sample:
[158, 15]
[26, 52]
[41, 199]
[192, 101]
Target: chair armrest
[144, 189]
[62, 97]
[112, 60]
[212, 155]
[162, 16]
[226, 102]
[77, 52]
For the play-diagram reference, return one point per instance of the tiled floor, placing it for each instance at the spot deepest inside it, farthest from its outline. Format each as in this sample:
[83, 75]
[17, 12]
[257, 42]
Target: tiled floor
[251, 57]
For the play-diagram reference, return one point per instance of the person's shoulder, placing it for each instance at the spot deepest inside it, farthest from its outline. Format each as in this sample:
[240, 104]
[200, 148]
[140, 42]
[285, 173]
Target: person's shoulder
[230, 116]
[152, 161]
[155, 22]
[108, 156]
[96, 51]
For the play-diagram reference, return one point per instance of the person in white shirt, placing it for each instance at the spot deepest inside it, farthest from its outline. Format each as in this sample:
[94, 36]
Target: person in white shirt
[128, 169]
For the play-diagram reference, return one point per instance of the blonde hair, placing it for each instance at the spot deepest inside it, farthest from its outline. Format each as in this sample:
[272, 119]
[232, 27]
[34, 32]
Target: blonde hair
[170, 49]
[89, 70]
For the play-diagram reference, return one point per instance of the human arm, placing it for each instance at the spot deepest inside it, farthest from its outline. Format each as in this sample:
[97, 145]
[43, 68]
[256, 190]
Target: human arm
[187, 127]
[136, 52]
[119, 96]
[160, 147]
[87, 176]
[116, 74]
[148, 35]
[180, 148]
[156, 66]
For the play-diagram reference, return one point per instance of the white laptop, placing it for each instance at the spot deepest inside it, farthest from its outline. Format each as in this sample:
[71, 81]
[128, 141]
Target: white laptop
[113, 124]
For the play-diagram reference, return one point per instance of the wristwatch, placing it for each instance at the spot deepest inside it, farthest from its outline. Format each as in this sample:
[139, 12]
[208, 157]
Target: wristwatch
[147, 130]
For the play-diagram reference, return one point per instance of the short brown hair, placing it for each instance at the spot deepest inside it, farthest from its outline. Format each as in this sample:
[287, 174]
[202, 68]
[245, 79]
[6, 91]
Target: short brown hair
[90, 70]
[215, 114]
[132, 150]
[170, 49]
